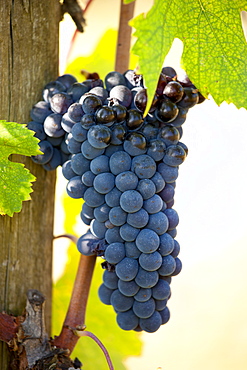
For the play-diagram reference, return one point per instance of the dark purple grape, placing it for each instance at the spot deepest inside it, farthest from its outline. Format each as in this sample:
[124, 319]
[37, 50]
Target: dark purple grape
[77, 90]
[120, 94]
[67, 80]
[190, 97]
[137, 140]
[133, 79]
[60, 103]
[118, 134]
[134, 119]
[47, 150]
[52, 125]
[87, 121]
[105, 115]
[52, 88]
[169, 134]
[99, 136]
[169, 71]
[75, 112]
[150, 131]
[201, 98]
[93, 82]
[167, 111]
[174, 156]
[90, 103]
[185, 148]
[184, 80]
[38, 128]
[40, 111]
[114, 79]
[140, 100]
[120, 112]
[174, 91]
[100, 92]
[181, 117]
[161, 84]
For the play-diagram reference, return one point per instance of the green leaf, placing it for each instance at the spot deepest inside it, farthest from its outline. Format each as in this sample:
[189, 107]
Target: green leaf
[215, 50]
[15, 180]
[128, 1]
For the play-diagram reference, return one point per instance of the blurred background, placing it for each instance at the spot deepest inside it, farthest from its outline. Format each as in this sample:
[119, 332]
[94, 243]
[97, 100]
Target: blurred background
[208, 326]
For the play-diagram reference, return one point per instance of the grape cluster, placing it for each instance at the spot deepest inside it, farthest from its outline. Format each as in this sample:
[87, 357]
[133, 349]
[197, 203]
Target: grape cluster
[55, 115]
[125, 168]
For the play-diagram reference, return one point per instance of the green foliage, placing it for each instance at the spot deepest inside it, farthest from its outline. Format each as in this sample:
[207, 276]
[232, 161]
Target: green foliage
[99, 61]
[100, 319]
[215, 50]
[128, 1]
[15, 180]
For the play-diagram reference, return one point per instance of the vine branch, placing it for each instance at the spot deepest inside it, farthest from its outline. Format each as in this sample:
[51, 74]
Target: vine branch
[75, 317]
[124, 37]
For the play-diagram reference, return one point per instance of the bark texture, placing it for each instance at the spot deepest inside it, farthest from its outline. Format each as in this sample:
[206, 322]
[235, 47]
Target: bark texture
[28, 60]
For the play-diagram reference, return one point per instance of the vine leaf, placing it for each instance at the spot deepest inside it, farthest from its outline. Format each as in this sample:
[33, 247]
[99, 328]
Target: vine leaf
[15, 180]
[215, 49]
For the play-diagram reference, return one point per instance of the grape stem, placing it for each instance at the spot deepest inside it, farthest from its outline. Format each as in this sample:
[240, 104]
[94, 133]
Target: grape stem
[75, 317]
[85, 333]
[73, 238]
[124, 37]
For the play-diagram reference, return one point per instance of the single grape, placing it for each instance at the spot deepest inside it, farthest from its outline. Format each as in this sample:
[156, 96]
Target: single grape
[90, 103]
[121, 94]
[135, 144]
[143, 295]
[131, 201]
[127, 269]
[100, 164]
[114, 253]
[128, 288]
[146, 188]
[150, 261]
[60, 102]
[79, 164]
[117, 216]
[101, 213]
[174, 91]
[167, 111]
[105, 294]
[126, 180]
[166, 244]
[110, 279]
[114, 79]
[40, 111]
[128, 233]
[47, 149]
[105, 115]
[127, 320]
[147, 241]
[99, 136]
[161, 290]
[75, 188]
[138, 219]
[85, 244]
[152, 323]
[175, 155]
[104, 182]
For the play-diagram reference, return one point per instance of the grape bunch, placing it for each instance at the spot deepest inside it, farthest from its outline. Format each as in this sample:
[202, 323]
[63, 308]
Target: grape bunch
[125, 168]
[55, 115]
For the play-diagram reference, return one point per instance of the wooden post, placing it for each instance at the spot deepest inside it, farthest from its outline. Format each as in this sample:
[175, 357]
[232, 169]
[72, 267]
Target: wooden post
[124, 37]
[28, 60]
